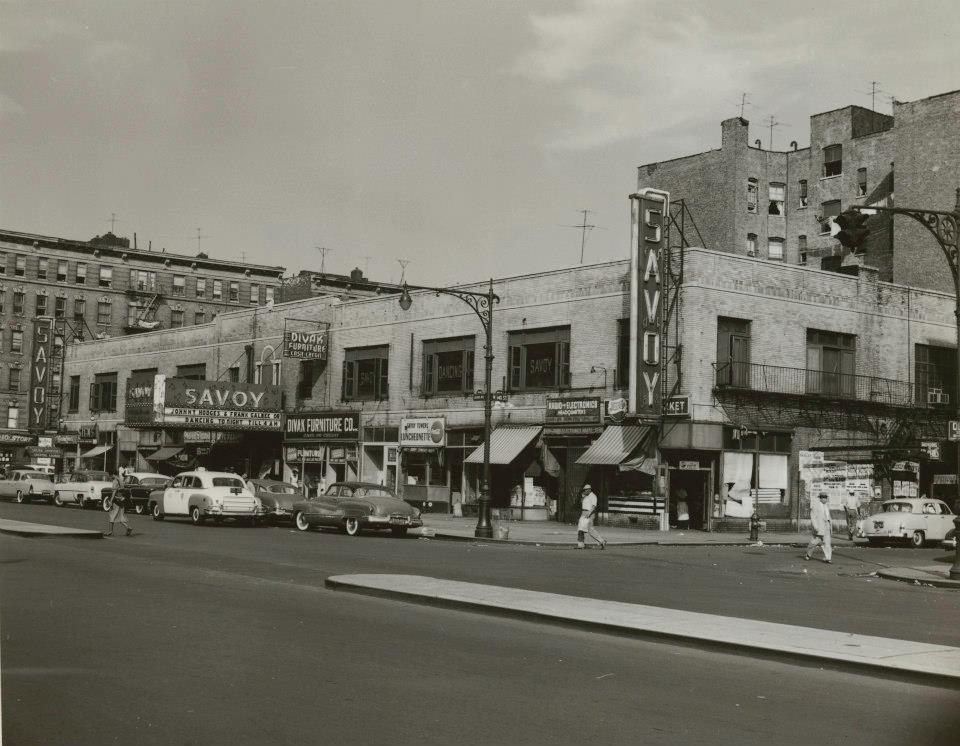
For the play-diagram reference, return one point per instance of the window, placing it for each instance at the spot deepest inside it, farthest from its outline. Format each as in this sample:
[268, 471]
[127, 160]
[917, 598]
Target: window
[73, 404]
[79, 309]
[16, 341]
[13, 382]
[828, 210]
[254, 293]
[233, 374]
[179, 284]
[935, 372]
[103, 393]
[200, 317]
[751, 195]
[861, 182]
[104, 312]
[62, 270]
[751, 244]
[234, 292]
[833, 160]
[622, 377]
[176, 318]
[802, 248]
[55, 384]
[41, 305]
[733, 352]
[59, 308]
[81, 276]
[830, 363]
[804, 199]
[448, 366]
[540, 359]
[195, 371]
[366, 373]
[775, 248]
[3, 298]
[13, 417]
[268, 294]
[3, 262]
[18, 303]
[43, 266]
[310, 371]
[20, 266]
[143, 281]
[217, 290]
[268, 373]
[777, 197]
[201, 287]
[106, 277]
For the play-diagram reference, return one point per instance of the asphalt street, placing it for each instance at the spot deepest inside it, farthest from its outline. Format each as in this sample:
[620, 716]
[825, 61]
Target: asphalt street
[222, 634]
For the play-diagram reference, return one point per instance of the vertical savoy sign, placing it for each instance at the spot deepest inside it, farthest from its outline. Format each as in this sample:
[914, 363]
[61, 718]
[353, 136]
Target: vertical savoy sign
[39, 375]
[649, 211]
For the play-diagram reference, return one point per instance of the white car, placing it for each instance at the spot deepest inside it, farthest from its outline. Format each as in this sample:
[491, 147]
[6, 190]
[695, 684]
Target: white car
[203, 494]
[24, 485]
[81, 487]
[918, 520]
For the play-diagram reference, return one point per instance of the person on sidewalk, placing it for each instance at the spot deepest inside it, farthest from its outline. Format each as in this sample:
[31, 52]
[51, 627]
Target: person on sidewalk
[822, 527]
[588, 508]
[683, 510]
[117, 513]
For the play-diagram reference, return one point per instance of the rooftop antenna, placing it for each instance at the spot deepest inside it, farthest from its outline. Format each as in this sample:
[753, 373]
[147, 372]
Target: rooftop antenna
[403, 268]
[584, 227]
[743, 103]
[771, 124]
[872, 93]
[323, 258]
[200, 236]
[113, 222]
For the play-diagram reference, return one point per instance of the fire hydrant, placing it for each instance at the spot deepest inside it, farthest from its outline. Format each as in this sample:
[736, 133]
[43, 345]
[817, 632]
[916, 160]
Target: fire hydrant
[754, 527]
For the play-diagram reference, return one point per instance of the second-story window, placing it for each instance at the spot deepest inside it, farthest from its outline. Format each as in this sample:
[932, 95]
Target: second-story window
[3, 262]
[104, 313]
[254, 293]
[828, 211]
[831, 363]
[73, 403]
[234, 292]
[18, 303]
[176, 318]
[777, 195]
[20, 266]
[13, 416]
[103, 393]
[733, 352]
[751, 195]
[106, 277]
[802, 248]
[81, 277]
[833, 160]
[935, 373]
[179, 284]
[200, 317]
[448, 366]
[43, 266]
[623, 353]
[193, 371]
[366, 373]
[13, 383]
[268, 294]
[79, 309]
[3, 301]
[201, 287]
[775, 248]
[217, 290]
[41, 305]
[861, 182]
[62, 270]
[16, 341]
[540, 359]
[751, 244]
[802, 188]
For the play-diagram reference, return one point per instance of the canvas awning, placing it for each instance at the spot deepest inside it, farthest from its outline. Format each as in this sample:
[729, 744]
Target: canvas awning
[96, 451]
[163, 454]
[615, 444]
[643, 464]
[506, 443]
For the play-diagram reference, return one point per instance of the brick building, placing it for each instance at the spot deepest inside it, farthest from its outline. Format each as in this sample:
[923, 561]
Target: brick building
[778, 362]
[776, 205]
[310, 284]
[100, 288]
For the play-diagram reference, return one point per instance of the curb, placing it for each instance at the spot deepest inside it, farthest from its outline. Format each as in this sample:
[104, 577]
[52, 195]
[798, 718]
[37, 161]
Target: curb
[910, 575]
[612, 544]
[40, 531]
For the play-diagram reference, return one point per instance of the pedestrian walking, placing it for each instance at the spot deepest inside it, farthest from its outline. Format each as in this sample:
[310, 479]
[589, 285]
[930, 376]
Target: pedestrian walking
[588, 508]
[683, 510]
[117, 513]
[822, 527]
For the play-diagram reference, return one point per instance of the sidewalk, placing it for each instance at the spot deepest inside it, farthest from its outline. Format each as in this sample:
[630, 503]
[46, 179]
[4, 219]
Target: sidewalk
[22, 528]
[877, 655]
[936, 575]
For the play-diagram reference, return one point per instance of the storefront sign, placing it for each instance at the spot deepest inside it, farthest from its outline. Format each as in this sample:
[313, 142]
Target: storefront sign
[39, 375]
[580, 411]
[931, 448]
[677, 406]
[649, 209]
[306, 455]
[88, 434]
[323, 426]
[44, 452]
[423, 432]
[66, 439]
[16, 439]
[140, 395]
[689, 465]
[196, 436]
[305, 345]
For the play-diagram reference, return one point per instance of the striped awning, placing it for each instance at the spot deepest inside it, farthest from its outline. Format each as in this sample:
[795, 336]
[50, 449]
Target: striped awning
[615, 444]
[95, 451]
[506, 443]
[163, 454]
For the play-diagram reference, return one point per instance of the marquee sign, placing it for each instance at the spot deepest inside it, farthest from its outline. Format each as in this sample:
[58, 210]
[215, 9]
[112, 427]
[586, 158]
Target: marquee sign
[39, 375]
[649, 211]
[305, 345]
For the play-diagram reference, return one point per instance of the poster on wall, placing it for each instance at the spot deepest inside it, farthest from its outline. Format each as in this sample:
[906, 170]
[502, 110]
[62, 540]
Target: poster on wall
[846, 485]
[737, 486]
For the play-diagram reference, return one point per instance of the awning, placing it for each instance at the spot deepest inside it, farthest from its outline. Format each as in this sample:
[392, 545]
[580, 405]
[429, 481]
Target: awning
[163, 454]
[615, 444]
[643, 464]
[96, 451]
[505, 444]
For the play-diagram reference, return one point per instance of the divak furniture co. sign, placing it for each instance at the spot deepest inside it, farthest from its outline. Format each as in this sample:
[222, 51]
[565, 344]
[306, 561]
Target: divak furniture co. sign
[318, 425]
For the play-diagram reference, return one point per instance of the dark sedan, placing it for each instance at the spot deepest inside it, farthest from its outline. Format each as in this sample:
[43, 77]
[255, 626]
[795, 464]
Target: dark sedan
[277, 498]
[135, 489]
[354, 506]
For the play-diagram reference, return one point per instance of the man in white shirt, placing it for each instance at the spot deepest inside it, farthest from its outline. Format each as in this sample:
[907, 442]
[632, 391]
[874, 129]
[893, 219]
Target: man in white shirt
[588, 508]
[821, 526]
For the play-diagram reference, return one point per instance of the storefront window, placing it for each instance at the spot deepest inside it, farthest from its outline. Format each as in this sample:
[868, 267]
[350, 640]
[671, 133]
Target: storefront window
[425, 469]
[540, 359]
[365, 373]
[448, 365]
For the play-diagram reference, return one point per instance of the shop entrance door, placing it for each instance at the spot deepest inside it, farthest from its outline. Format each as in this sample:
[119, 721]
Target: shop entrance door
[696, 484]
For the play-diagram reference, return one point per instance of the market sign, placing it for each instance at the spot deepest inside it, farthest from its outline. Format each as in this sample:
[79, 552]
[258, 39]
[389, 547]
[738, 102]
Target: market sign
[677, 406]
[305, 345]
[39, 375]
[318, 425]
[583, 410]
[16, 439]
[423, 432]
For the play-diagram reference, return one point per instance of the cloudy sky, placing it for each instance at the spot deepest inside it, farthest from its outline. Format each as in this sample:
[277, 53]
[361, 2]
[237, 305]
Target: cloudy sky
[462, 136]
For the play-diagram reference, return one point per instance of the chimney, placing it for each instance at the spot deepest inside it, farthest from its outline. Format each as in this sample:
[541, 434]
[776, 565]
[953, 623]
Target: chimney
[356, 275]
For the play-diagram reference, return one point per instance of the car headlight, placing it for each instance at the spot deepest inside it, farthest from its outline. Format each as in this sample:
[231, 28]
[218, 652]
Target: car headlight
[416, 513]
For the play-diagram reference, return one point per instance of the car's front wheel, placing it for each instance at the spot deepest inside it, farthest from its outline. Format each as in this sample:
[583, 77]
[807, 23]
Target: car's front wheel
[196, 515]
[917, 539]
[301, 522]
[20, 497]
[57, 500]
[352, 526]
[157, 512]
[107, 504]
[139, 508]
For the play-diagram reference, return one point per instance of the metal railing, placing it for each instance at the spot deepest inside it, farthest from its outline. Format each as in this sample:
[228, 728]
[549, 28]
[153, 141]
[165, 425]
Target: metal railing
[777, 379]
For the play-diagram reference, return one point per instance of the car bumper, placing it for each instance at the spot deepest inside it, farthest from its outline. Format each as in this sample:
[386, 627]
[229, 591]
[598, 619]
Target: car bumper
[229, 513]
[378, 521]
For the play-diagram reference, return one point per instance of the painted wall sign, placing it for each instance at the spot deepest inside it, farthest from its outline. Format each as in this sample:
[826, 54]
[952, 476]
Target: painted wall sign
[323, 426]
[40, 375]
[305, 345]
[583, 410]
[649, 211]
[423, 432]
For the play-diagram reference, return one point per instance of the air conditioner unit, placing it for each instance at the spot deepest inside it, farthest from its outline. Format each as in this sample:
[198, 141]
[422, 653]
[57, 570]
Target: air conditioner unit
[936, 396]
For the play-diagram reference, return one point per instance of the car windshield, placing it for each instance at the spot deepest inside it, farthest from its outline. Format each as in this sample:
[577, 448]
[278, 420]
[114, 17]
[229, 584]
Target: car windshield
[372, 492]
[35, 475]
[282, 489]
[228, 482]
[897, 508]
[99, 476]
[153, 481]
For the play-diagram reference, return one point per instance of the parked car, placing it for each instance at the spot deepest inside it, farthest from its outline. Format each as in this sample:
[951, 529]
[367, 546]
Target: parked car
[203, 494]
[276, 498]
[136, 487]
[354, 506]
[918, 520]
[24, 485]
[81, 487]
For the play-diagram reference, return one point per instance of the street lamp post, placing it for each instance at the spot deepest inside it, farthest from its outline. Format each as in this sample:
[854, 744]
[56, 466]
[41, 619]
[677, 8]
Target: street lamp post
[482, 304]
[944, 227]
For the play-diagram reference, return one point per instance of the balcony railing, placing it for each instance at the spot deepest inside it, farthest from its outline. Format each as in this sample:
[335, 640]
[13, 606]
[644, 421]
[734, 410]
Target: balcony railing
[777, 379]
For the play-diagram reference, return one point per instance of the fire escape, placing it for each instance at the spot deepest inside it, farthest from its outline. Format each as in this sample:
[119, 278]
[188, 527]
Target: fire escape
[148, 301]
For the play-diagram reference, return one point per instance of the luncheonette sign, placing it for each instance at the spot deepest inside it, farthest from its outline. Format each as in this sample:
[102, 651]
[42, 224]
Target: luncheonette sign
[305, 345]
[323, 426]
[584, 410]
[423, 432]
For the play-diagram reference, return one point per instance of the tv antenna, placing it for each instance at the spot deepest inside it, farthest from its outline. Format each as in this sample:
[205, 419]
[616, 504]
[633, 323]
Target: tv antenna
[113, 222]
[403, 268]
[200, 235]
[743, 103]
[872, 93]
[323, 258]
[584, 227]
[771, 123]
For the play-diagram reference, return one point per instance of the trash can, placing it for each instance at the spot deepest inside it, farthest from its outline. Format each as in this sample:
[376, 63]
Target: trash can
[503, 532]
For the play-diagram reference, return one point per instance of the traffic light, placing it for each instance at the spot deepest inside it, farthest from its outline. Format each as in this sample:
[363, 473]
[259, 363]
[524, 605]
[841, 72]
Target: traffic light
[852, 229]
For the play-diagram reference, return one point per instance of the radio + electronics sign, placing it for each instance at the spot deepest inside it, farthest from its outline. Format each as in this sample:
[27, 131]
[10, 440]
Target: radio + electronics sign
[581, 411]
[323, 426]
[305, 345]
[423, 432]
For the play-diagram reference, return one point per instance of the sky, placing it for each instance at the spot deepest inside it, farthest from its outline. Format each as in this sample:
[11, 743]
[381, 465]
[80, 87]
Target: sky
[463, 137]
